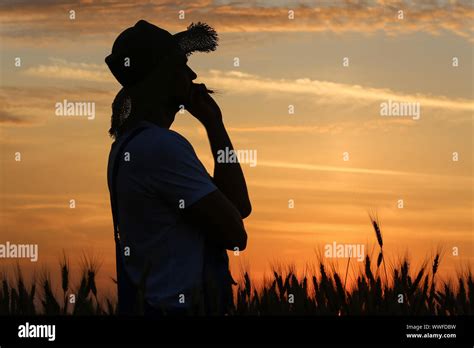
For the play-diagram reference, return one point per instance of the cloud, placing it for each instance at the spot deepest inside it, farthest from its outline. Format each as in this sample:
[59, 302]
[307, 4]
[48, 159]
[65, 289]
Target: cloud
[326, 91]
[244, 83]
[314, 167]
[33, 106]
[49, 21]
[22, 106]
[207, 160]
[8, 118]
[332, 128]
[13, 107]
[62, 69]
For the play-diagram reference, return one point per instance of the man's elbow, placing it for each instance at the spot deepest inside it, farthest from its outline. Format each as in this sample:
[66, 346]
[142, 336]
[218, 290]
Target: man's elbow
[245, 210]
[239, 241]
[243, 242]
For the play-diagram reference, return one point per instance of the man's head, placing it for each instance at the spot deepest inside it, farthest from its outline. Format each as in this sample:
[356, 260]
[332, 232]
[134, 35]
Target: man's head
[151, 64]
[164, 89]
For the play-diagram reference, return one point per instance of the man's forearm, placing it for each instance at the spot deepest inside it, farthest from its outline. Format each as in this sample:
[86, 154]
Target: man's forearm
[228, 177]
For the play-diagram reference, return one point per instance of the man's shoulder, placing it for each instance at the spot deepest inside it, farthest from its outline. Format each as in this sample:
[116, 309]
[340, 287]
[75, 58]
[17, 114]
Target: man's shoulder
[157, 140]
[163, 136]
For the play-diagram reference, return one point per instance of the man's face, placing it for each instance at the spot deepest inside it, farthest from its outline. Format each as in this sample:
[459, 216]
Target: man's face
[182, 79]
[174, 80]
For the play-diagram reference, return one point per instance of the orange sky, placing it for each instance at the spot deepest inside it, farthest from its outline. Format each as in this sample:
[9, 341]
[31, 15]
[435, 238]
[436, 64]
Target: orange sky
[300, 156]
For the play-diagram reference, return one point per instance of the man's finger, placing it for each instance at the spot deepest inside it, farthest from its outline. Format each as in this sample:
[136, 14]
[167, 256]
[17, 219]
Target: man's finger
[202, 87]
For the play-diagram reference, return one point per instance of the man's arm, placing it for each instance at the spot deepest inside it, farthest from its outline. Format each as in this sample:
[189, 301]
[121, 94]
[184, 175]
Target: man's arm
[219, 220]
[179, 177]
[228, 177]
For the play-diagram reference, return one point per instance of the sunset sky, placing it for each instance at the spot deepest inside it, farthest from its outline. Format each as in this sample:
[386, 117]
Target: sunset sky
[300, 156]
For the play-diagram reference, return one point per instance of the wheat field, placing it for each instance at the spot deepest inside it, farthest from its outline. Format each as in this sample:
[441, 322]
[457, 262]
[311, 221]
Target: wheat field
[378, 289]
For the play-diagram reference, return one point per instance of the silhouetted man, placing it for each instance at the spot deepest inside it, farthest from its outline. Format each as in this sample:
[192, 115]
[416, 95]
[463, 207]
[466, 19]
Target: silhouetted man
[172, 221]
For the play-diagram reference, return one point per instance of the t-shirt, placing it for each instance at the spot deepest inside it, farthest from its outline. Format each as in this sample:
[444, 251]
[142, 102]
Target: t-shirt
[159, 174]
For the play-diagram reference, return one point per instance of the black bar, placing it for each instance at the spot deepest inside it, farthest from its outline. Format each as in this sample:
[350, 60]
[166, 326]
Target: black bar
[286, 330]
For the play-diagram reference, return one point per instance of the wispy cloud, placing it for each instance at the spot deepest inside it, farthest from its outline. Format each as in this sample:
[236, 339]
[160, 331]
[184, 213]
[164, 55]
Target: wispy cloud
[326, 91]
[315, 167]
[62, 69]
[353, 170]
[10, 119]
[23, 105]
[294, 165]
[49, 20]
[332, 128]
[33, 106]
[241, 82]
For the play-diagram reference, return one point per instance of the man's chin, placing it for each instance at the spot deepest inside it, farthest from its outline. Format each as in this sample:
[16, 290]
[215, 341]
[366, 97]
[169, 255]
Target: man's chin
[177, 103]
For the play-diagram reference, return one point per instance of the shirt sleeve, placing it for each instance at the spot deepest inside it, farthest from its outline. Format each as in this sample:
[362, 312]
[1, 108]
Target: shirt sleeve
[177, 174]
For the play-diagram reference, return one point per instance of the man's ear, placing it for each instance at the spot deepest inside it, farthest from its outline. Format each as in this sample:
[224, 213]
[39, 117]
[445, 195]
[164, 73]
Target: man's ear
[144, 89]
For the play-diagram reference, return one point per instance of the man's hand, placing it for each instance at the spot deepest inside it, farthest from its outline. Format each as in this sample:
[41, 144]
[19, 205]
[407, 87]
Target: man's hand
[228, 177]
[202, 106]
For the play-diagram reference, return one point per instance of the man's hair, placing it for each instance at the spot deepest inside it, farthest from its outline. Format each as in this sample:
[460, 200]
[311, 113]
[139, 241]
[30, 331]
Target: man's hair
[121, 108]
